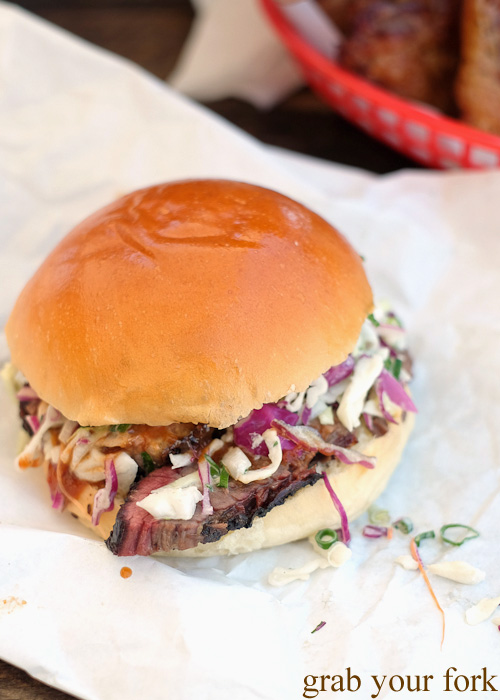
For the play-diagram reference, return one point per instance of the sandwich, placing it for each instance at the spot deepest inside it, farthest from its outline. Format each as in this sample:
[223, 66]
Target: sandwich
[200, 369]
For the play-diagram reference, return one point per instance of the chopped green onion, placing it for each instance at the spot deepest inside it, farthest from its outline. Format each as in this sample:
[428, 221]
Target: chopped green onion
[212, 463]
[396, 369]
[325, 538]
[373, 320]
[458, 543]
[404, 525]
[223, 478]
[147, 462]
[218, 471]
[394, 320]
[123, 427]
[378, 516]
[388, 364]
[319, 626]
[429, 535]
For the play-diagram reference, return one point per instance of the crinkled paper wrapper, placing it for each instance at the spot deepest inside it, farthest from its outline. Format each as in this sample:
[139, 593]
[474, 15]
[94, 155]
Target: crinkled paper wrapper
[79, 127]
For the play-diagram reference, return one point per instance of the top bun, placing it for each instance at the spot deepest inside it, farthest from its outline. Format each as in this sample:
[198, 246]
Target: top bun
[193, 301]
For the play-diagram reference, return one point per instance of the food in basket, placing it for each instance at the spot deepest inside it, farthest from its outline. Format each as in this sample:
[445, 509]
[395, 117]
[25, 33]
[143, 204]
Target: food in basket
[478, 81]
[409, 47]
[445, 53]
[204, 372]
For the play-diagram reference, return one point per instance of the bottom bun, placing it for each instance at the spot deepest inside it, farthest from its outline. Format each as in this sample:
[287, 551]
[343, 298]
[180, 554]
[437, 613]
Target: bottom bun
[303, 514]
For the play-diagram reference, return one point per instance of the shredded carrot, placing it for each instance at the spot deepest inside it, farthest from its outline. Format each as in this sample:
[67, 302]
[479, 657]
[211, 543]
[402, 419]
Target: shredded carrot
[389, 533]
[415, 554]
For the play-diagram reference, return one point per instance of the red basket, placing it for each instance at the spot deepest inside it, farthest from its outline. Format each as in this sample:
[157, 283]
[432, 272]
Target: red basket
[417, 131]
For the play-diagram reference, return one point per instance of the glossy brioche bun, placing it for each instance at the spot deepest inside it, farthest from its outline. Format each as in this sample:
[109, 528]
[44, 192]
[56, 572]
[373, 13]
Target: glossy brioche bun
[193, 301]
[304, 513]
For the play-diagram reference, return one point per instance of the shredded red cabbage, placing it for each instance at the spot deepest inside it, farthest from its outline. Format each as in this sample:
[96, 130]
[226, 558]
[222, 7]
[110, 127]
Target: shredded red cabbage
[204, 473]
[57, 500]
[309, 439]
[104, 500]
[26, 393]
[375, 531]
[346, 535]
[388, 385]
[305, 415]
[368, 418]
[33, 422]
[336, 374]
[258, 422]
[319, 626]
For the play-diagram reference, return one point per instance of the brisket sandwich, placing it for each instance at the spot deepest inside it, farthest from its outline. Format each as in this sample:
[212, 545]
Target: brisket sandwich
[200, 369]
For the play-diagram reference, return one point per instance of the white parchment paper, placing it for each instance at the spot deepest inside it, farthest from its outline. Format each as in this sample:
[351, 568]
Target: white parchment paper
[79, 127]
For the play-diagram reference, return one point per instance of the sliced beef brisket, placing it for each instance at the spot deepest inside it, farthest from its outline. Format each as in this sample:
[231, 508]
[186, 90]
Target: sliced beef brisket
[137, 532]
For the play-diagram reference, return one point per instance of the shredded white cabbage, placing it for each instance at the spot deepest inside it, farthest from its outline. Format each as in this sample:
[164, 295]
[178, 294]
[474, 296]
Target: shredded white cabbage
[294, 401]
[172, 502]
[335, 556]
[316, 390]
[459, 571]
[67, 430]
[181, 460]
[482, 610]
[407, 562]
[394, 336]
[13, 379]
[368, 341]
[366, 371]
[326, 416]
[275, 455]
[35, 447]
[91, 469]
[236, 462]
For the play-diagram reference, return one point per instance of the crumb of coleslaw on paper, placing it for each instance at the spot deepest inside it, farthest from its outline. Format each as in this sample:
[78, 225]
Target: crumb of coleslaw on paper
[335, 556]
[407, 562]
[482, 611]
[459, 571]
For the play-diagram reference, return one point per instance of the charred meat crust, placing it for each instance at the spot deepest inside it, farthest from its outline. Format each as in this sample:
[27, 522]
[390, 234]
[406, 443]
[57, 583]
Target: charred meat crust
[235, 520]
[137, 532]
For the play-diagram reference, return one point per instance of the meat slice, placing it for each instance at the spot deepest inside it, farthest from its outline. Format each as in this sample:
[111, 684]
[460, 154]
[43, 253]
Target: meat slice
[335, 433]
[158, 441]
[407, 46]
[137, 532]
[478, 81]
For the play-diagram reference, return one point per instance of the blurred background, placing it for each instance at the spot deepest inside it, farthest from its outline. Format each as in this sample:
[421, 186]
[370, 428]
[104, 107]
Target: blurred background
[152, 33]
